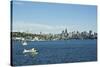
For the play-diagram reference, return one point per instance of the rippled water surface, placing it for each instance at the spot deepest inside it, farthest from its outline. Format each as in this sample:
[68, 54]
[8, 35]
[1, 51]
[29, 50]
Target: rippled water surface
[50, 52]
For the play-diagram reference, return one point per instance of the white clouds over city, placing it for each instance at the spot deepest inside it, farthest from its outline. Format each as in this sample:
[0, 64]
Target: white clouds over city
[47, 28]
[36, 27]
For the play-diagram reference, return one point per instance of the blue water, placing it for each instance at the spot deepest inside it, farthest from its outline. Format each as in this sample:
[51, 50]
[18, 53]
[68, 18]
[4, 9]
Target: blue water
[50, 52]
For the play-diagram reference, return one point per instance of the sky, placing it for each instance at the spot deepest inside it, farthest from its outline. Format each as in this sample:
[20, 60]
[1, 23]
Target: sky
[43, 17]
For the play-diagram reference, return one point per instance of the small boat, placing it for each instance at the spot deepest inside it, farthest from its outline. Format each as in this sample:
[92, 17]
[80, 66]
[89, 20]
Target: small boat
[24, 42]
[31, 52]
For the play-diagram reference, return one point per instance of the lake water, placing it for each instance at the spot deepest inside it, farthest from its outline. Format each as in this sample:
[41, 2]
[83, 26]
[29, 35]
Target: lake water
[50, 52]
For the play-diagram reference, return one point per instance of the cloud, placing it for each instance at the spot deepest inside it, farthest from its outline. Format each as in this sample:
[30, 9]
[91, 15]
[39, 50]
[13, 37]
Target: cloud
[36, 27]
[46, 28]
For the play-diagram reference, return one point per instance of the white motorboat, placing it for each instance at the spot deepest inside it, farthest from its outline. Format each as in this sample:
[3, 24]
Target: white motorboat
[31, 52]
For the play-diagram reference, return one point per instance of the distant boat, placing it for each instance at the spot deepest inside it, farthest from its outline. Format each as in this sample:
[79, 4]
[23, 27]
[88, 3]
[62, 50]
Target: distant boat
[24, 42]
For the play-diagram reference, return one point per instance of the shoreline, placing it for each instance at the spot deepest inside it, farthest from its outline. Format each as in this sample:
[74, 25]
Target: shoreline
[50, 40]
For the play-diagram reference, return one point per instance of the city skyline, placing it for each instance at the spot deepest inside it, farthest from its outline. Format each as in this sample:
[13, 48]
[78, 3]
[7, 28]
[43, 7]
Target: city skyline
[39, 17]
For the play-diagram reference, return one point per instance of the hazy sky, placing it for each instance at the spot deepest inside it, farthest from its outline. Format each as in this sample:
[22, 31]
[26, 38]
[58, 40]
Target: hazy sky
[38, 17]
